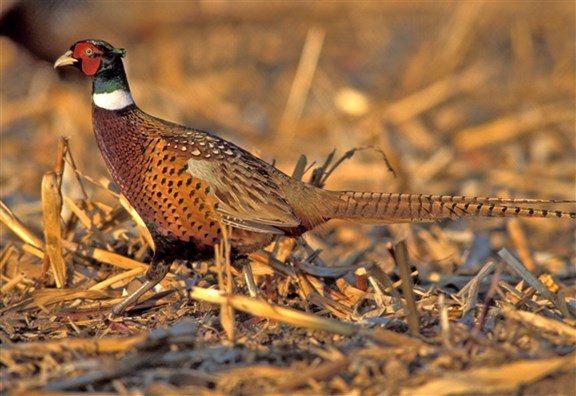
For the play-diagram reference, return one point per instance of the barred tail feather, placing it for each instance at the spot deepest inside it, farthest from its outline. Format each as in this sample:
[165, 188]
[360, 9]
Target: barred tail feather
[396, 207]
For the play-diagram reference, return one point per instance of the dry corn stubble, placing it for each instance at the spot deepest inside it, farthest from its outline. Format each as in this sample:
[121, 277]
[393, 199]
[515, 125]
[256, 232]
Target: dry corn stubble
[482, 98]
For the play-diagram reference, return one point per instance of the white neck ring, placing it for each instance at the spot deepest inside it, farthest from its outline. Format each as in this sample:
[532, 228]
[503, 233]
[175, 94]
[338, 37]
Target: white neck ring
[115, 100]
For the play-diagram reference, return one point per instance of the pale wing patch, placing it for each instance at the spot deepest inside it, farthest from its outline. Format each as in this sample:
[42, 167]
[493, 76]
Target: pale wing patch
[246, 197]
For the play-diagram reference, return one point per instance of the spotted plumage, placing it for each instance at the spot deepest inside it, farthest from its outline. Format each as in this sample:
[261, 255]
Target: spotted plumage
[185, 183]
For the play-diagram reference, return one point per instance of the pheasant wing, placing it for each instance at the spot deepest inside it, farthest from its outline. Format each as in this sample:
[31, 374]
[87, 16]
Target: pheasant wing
[242, 183]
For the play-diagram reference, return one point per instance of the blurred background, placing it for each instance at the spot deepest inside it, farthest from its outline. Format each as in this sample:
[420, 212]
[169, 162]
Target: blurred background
[473, 98]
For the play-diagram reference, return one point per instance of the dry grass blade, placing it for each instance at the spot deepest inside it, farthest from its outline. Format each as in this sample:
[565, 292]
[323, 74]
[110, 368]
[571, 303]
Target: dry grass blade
[457, 34]
[325, 371]
[115, 370]
[400, 254]
[541, 323]
[302, 81]
[131, 274]
[12, 283]
[490, 294]
[103, 345]
[300, 319]
[521, 270]
[17, 227]
[288, 379]
[46, 297]
[492, 380]
[52, 206]
[433, 95]
[104, 256]
[300, 167]
[511, 127]
[225, 282]
[354, 295]
[312, 291]
[518, 237]
[82, 216]
[470, 291]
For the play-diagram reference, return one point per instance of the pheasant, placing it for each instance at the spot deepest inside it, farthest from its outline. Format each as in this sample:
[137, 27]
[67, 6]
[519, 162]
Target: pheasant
[186, 183]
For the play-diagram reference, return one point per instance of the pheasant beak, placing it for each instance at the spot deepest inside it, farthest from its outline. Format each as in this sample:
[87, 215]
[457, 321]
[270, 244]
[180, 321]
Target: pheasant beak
[65, 60]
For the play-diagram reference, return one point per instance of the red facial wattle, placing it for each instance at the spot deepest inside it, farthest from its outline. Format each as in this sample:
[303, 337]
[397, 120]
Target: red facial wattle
[90, 57]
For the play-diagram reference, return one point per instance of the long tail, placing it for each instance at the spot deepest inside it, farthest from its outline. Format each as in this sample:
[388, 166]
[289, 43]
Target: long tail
[396, 208]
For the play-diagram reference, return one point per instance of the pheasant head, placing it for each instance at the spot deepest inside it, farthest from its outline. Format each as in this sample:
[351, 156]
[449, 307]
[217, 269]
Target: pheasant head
[103, 62]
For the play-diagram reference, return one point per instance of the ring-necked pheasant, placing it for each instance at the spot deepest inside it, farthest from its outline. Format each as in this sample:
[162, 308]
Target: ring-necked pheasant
[184, 183]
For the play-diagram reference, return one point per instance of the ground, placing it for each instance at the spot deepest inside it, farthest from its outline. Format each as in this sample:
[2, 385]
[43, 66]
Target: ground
[471, 98]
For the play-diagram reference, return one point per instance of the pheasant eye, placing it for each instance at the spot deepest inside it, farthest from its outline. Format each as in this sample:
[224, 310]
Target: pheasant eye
[89, 51]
